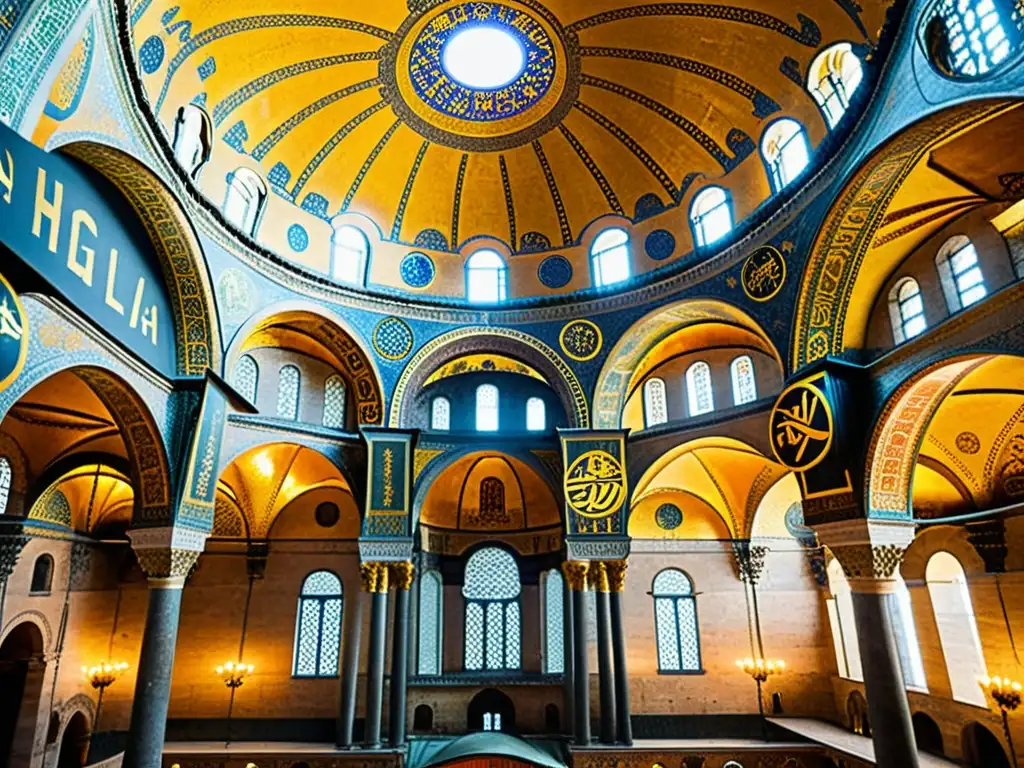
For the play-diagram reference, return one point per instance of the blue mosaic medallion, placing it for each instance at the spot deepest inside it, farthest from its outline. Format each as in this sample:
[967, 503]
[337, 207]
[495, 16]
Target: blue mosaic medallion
[298, 238]
[660, 244]
[668, 517]
[151, 54]
[392, 338]
[417, 270]
[555, 272]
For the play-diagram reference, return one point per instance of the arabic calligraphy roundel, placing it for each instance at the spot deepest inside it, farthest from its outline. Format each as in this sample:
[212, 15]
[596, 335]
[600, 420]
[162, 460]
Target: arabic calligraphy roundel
[764, 273]
[801, 426]
[13, 335]
[595, 485]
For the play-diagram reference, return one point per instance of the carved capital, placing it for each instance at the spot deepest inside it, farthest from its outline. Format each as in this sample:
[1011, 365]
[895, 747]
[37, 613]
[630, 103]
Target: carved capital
[368, 576]
[616, 570]
[256, 559]
[575, 572]
[597, 575]
[167, 552]
[868, 550]
[750, 561]
[402, 574]
[11, 545]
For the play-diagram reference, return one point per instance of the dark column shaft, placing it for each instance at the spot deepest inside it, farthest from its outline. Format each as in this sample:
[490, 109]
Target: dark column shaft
[891, 728]
[375, 670]
[606, 684]
[153, 684]
[350, 671]
[568, 691]
[399, 668]
[581, 675]
[623, 726]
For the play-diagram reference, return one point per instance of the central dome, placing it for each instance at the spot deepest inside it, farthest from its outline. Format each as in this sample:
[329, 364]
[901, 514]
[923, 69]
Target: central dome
[483, 57]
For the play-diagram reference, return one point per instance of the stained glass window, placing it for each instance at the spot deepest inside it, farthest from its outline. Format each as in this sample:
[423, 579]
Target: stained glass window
[554, 626]
[493, 627]
[349, 252]
[245, 377]
[698, 388]
[675, 613]
[978, 36]
[486, 277]
[487, 408]
[334, 402]
[288, 393]
[710, 215]
[440, 414]
[655, 403]
[609, 257]
[744, 385]
[318, 626]
[535, 415]
[834, 76]
[785, 151]
[431, 623]
[5, 483]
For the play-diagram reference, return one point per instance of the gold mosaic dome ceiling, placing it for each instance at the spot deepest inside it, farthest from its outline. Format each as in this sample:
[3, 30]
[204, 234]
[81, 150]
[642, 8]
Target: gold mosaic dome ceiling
[571, 112]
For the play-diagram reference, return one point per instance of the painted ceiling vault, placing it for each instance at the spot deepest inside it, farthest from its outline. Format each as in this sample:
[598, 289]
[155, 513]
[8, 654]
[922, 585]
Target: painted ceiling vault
[615, 110]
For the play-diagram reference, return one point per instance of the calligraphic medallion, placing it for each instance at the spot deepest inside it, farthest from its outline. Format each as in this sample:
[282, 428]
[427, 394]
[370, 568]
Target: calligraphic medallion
[13, 335]
[764, 273]
[595, 485]
[581, 340]
[427, 92]
[801, 426]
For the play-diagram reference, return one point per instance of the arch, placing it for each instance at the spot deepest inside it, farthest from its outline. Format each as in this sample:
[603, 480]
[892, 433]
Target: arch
[927, 734]
[502, 341]
[423, 719]
[744, 381]
[74, 742]
[42, 575]
[552, 718]
[491, 710]
[786, 152]
[197, 329]
[486, 277]
[958, 629]
[836, 295]
[906, 310]
[350, 253]
[676, 628]
[700, 397]
[959, 273]
[245, 200]
[609, 257]
[833, 78]
[21, 679]
[493, 623]
[710, 215]
[334, 336]
[318, 626]
[623, 366]
[981, 748]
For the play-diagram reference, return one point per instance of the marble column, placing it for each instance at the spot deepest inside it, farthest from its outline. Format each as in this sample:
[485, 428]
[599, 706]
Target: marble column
[568, 690]
[167, 556]
[870, 552]
[350, 660]
[576, 575]
[598, 576]
[402, 574]
[375, 666]
[617, 584]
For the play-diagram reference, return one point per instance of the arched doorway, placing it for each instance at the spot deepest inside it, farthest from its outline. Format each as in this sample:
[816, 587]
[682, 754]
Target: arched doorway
[927, 734]
[491, 710]
[74, 744]
[21, 680]
[981, 749]
[857, 714]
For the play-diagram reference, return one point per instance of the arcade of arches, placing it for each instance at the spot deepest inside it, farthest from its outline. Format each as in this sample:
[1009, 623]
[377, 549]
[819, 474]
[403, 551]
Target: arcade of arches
[544, 383]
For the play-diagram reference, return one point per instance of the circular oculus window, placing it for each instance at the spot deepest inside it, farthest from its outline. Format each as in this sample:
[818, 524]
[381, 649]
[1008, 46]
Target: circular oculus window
[483, 57]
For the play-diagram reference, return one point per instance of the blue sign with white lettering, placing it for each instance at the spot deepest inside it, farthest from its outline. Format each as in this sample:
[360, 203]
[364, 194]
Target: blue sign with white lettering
[73, 228]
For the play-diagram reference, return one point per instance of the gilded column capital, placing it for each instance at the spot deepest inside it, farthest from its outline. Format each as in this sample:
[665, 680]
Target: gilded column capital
[597, 576]
[402, 574]
[870, 551]
[168, 552]
[575, 572]
[368, 576]
[616, 570]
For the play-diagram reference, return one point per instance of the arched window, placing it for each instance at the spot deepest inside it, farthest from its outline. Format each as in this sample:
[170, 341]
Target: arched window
[906, 310]
[655, 403]
[609, 257]
[431, 623]
[193, 139]
[536, 420]
[710, 215]
[959, 273]
[744, 385]
[288, 393]
[42, 575]
[834, 76]
[423, 718]
[245, 377]
[976, 35]
[440, 413]
[334, 402]
[487, 408]
[318, 626]
[675, 619]
[785, 151]
[844, 627]
[5, 483]
[491, 589]
[698, 388]
[554, 624]
[349, 252]
[958, 630]
[901, 614]
[486, 277]
[245, 200]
